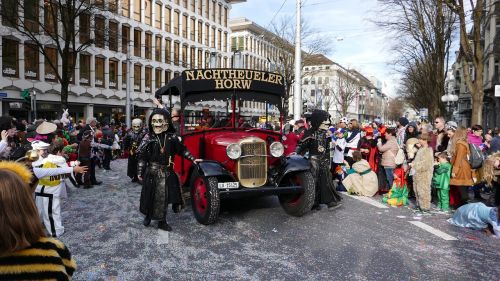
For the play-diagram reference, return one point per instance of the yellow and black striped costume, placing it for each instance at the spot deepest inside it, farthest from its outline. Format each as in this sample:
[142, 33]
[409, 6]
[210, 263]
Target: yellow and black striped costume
[47, 259]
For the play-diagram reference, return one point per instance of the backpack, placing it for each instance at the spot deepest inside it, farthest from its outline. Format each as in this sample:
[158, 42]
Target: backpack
[476, 156]
[400, 157]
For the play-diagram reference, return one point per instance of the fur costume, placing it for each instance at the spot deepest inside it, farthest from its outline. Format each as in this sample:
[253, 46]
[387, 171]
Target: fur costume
[422, 179]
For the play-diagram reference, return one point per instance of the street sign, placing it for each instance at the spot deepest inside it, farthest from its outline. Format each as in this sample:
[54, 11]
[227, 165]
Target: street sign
[3, 95]
[424, 113]
[497, 90]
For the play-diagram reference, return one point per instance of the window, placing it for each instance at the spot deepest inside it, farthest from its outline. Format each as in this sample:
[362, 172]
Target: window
[176, 22]
[113, 5]
[313, 93]
[241, 44]
[212, 11]
[207, 34]
[148, 12]
[191, 29]
[168, 76]
[31, 15]
[225, 41]
[167, 19]
[327, 80]
[158, 15]
[49, 19]
[200, 58]
[137, 77]
[158, 48]
[212, 42]
[137, 10]
[50, 64]
[126, 8]
[184, 3]
[10, 58]
[200, 4]
[113, 36]
[207, 59]
[84, 69]
[148, 79]
[168, 50]
[84, 28]
[148, 47]
[225, 17]
[320, 80]
[125, 38]
[306, 81]
[192, 5]
[184, 26]
[31, 61]
[99, 32]
[219, 40]
[176, 53]
[200, 32]
[219, 14]
[9, 19]
[207, 8]
[192, 53]
[313, 82]
[184, 55]
[113, 74]
[158, 78]
[99, 72]
[234, 47]
[124, 75]
[137, 43]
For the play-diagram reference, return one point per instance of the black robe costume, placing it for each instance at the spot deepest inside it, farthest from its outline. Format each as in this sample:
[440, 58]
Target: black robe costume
[317, 143]
[131, 142]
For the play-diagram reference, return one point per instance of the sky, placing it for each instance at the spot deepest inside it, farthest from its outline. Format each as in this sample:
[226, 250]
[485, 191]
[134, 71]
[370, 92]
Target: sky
[357, 43]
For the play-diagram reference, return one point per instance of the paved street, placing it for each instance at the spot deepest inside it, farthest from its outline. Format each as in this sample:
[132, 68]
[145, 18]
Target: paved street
[255, 240]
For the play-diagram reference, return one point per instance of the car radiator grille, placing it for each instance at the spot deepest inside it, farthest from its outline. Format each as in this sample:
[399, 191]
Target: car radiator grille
[253, 164]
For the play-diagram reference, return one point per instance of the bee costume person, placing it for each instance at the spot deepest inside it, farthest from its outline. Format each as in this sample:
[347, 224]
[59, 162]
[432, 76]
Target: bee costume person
[317, 143]
[155, 166]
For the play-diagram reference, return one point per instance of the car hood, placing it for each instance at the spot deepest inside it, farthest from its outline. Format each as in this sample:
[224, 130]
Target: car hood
[229, 138]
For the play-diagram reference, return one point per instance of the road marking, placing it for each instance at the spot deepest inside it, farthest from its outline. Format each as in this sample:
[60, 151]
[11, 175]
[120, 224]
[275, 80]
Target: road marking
[162, 237]
[367, 200]
[432, 230]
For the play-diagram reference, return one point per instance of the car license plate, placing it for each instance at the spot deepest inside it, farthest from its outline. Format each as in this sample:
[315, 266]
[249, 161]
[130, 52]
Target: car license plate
[228, 185]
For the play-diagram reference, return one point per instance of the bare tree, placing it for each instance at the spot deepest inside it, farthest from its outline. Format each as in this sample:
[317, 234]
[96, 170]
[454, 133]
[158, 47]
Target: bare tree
[344, 90]
[283, 37]
[56, 33]
[422, 31]
[471, 52]
[395, 110]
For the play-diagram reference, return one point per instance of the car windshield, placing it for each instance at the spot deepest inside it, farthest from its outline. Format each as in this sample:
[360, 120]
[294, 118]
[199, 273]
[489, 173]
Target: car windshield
[212, 114]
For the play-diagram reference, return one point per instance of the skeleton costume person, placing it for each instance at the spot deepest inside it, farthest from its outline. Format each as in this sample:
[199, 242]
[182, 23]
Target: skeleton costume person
[317, 143]
[131, 142]
[155, 166]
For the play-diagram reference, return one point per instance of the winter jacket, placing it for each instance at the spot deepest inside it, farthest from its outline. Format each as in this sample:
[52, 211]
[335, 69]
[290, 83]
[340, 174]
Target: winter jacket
[473, 139]
[442, 174]
[461, 167]
[389, 151]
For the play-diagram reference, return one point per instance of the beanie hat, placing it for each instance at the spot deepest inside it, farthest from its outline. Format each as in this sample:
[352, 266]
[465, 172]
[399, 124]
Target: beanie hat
[403, 121]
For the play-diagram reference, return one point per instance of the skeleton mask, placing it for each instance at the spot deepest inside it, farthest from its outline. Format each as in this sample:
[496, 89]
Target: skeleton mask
[136, 125]
[325, 125]
[158, 123]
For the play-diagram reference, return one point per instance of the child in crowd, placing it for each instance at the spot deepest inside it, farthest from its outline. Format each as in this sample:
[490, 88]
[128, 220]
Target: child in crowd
[441, 181]
[337, 147]
[398, 195]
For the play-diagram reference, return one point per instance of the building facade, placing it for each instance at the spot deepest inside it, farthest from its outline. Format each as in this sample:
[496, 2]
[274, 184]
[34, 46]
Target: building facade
[142, 42]
[326, 84]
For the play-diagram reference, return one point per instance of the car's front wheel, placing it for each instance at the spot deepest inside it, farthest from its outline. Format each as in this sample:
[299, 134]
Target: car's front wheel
[205, 199]
[299, 204]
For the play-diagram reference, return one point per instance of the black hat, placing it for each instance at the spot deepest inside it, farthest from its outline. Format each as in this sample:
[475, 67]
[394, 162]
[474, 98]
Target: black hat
[403, 121]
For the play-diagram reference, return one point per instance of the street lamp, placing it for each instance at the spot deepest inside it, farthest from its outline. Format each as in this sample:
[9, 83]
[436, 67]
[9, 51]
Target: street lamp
[449, 99]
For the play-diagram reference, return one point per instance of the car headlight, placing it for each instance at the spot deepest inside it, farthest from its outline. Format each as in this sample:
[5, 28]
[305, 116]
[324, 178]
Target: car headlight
[233, 151]
[276, 149]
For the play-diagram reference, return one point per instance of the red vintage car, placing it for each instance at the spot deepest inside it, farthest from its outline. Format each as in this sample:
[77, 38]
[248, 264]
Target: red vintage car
[232, 118]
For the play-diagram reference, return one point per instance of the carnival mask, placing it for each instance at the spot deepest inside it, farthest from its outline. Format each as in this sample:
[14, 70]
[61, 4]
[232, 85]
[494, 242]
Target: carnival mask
[158, 123]
[325, 125]
[136, 125]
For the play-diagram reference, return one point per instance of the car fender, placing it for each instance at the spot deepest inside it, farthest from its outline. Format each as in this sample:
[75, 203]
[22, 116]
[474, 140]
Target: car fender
[208, 168]
[293, 164]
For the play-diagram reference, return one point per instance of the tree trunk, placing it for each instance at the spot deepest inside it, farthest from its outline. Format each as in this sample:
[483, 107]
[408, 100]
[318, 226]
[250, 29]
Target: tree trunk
[477, 108]
[64, 95]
